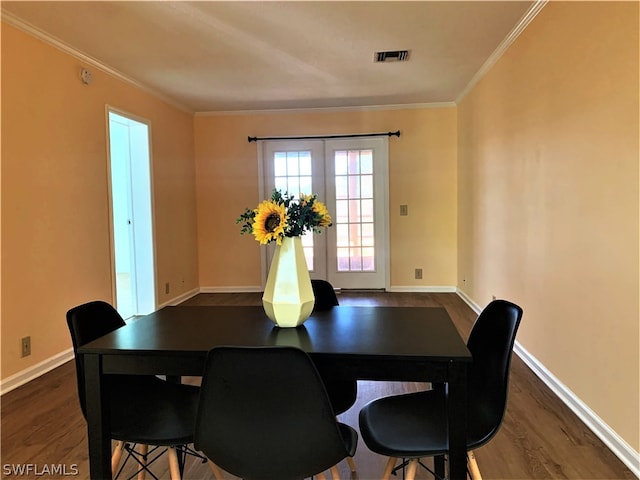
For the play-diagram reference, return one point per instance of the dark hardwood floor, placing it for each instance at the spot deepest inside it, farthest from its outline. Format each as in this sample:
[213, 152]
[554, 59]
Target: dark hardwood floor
[540, 438]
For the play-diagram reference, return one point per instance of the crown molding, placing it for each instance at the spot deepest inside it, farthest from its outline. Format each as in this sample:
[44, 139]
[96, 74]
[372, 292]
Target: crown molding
[26, 27]
[402, 106]
[524, 22]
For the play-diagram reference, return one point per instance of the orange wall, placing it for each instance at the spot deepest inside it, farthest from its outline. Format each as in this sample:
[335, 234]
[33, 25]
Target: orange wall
[55, 209]
[422, 174]
[548, 199]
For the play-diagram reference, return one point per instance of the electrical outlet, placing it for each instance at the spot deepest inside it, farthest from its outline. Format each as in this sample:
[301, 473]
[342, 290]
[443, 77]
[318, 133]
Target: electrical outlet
[418, 274]
[167, 289]
[26, 346]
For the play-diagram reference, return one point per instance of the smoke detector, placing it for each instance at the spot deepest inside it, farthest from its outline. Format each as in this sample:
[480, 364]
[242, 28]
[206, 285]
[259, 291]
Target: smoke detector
[392, 56]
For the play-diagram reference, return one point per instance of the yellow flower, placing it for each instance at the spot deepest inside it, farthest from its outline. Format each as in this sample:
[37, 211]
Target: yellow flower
[269, 222]
[304, 199]
[320, 209]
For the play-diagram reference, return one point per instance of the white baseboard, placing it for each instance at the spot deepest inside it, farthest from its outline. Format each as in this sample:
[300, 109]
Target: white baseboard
[423, 289]
[604, 432]
[253, 289]
[474, 306]
[33, 372]
[180, 298]
[599, 427]
[409, 288]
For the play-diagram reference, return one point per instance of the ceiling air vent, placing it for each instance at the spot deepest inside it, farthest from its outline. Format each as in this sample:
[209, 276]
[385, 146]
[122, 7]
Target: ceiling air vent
[392, 56]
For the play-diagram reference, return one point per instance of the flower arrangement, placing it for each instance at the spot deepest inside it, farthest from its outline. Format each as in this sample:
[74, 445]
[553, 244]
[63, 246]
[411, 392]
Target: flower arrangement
[283, 216]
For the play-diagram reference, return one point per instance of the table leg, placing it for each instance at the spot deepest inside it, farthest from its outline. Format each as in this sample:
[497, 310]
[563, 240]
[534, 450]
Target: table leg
[98, 420]
[457, 420]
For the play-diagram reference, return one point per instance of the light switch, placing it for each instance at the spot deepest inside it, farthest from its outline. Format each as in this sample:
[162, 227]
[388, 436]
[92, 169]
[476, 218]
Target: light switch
[404, 210]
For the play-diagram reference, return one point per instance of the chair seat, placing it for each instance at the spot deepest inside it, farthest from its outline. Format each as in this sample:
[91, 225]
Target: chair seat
[342, 392]
[410, 423]
[151, 411]
[413, 423]
[350, 437]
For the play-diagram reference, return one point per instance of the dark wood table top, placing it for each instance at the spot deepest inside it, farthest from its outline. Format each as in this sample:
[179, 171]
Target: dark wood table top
[343, 331]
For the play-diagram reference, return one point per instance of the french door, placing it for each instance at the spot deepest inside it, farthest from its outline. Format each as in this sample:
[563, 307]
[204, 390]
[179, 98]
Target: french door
[350, 177]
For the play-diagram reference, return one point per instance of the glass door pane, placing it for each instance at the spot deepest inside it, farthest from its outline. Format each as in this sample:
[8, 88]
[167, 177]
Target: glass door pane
[355, 219]
[357, 193]
[292, 174]
[295, 168]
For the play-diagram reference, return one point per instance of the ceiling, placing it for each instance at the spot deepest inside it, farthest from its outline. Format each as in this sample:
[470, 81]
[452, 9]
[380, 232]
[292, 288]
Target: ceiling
[208, 56]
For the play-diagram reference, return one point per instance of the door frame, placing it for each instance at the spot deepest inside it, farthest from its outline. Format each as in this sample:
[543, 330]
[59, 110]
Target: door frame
[150, 304]
[263, 194]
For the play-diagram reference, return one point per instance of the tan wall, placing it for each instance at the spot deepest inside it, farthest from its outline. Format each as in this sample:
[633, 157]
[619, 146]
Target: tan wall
[55, 209]
[422, 174]
[548, 194]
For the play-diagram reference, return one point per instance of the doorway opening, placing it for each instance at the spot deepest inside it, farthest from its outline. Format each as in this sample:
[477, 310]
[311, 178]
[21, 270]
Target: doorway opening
[131, 216]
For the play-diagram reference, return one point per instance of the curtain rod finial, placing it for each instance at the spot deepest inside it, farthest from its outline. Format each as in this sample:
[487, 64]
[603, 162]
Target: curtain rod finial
[252, 139]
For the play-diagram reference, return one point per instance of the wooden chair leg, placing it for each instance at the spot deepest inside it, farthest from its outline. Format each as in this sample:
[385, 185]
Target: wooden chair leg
[335, 474]
[116, 457]
[217, 472]
[174, 466]
[143, 450]
[352, 464]
[412, 469]
[388, 469]
[472, 465]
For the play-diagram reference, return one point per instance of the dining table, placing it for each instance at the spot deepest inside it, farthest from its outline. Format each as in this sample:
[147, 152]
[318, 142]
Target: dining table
[387, 343]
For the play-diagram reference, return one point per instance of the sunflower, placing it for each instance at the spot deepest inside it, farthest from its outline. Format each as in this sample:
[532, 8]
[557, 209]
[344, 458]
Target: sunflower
[304, 198]
[321, 211]
[269, 222]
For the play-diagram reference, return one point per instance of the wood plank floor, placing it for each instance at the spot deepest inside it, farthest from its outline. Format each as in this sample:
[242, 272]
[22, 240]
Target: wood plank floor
[540, 438]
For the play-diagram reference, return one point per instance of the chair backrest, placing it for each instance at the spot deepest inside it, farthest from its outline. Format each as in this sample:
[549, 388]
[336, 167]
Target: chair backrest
[264, 414]
[326, 297]
[491, 344]
[88, 322]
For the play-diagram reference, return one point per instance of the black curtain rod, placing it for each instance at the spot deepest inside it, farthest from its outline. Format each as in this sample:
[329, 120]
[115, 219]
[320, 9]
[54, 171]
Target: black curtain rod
[321, 137]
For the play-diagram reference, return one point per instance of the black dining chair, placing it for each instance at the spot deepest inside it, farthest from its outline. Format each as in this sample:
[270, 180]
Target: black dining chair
[414, 425]
[264, 414]
[144, 409]
[341, 387]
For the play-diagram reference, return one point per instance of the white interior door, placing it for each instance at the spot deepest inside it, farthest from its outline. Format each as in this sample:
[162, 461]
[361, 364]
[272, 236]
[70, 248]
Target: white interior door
[132, 228]
[350, 177]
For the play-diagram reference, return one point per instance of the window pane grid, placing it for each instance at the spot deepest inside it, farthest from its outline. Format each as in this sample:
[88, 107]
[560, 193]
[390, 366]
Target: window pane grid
[292, 174]
[354, 218]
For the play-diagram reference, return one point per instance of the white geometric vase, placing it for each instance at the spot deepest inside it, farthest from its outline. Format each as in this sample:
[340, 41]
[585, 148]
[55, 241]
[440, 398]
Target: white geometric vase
[288, 297]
